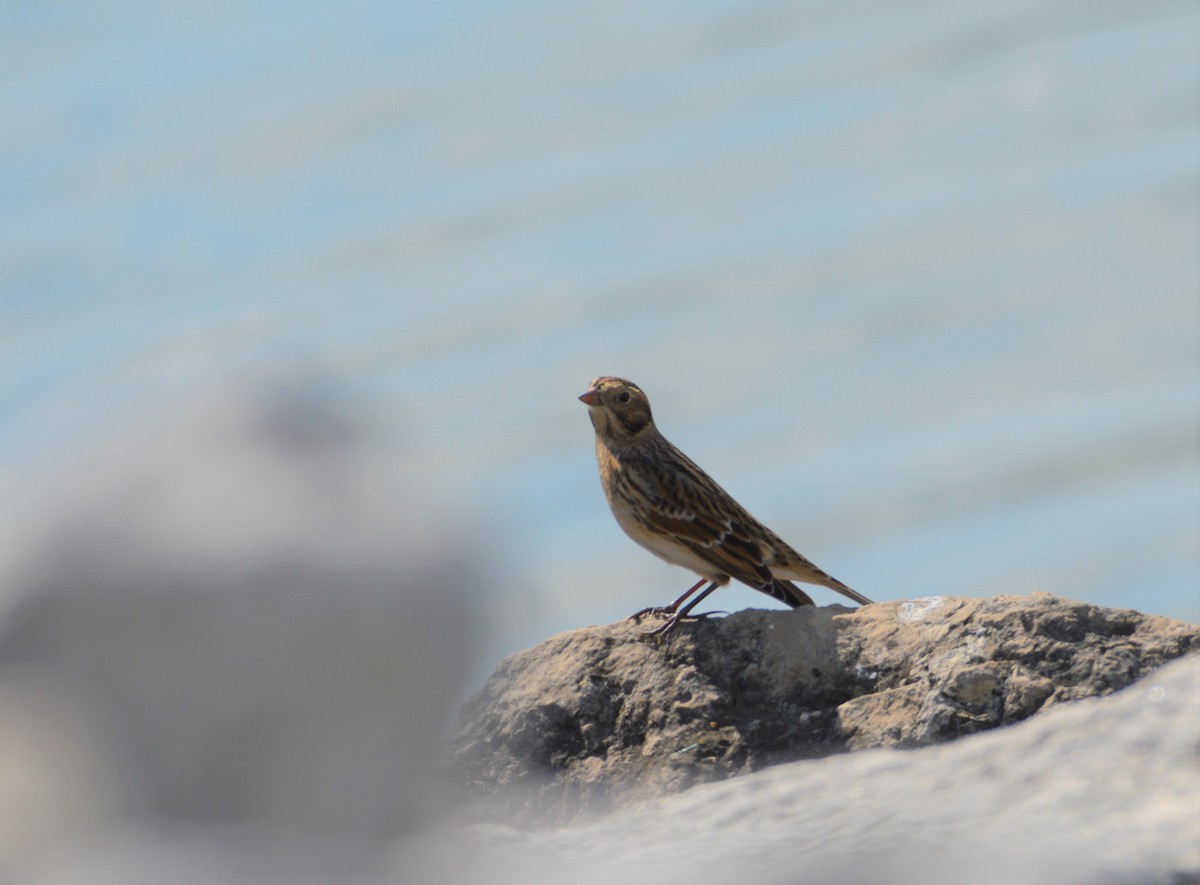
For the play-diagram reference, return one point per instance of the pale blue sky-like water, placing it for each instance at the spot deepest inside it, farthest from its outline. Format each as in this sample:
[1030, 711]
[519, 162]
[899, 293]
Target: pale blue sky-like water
[917, 283]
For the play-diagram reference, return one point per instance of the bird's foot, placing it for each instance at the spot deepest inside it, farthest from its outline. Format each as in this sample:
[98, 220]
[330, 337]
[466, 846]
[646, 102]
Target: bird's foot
[683, 613]
[675, 620]
[664, 628]
[651, 610]
[674, 605]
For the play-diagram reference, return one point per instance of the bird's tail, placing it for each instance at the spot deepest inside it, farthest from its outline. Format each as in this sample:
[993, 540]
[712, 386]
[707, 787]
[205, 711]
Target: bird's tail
[786, 591]
[805, 571]
[834, 584]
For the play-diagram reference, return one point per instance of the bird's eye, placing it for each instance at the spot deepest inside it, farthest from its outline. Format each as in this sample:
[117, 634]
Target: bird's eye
[624, 397]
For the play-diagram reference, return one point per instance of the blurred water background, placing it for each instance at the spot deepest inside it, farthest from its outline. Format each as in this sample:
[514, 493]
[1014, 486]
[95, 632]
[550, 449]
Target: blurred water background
[917, 283]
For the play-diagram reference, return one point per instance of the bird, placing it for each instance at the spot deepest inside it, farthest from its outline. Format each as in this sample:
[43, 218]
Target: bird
[668, 505]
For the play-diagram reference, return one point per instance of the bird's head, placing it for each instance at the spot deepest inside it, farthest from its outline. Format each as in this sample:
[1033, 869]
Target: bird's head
[618, 408]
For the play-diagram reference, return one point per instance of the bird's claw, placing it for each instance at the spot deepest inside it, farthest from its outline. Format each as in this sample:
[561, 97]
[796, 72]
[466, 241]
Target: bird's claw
[651, 610]
[664, 628]
[675, 620]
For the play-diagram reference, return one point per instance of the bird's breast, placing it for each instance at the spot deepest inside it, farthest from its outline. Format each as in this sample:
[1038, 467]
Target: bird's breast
[664, 546]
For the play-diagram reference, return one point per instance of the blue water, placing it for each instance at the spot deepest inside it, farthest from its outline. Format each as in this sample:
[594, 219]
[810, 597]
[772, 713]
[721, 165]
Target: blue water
[917, 283]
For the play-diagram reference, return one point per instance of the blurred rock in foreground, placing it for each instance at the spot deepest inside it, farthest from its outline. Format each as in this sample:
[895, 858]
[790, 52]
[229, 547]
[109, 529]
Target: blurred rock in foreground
[245, 614]
[601, 717]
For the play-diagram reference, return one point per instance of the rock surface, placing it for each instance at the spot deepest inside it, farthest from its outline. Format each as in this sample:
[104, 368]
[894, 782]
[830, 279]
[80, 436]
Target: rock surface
[1102, 790]
[599, 718]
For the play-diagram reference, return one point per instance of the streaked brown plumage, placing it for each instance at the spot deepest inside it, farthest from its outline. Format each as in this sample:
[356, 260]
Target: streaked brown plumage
[676, 511]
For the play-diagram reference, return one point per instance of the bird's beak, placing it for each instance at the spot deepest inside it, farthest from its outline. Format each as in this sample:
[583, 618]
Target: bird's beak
[591, 398]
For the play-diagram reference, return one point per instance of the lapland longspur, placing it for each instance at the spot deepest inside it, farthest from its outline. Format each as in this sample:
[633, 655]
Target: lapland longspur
[671, 507]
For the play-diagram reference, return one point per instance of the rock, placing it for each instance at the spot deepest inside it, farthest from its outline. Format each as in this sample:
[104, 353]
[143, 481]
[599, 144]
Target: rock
[1101, 790]
[599, 718]
[248, 612]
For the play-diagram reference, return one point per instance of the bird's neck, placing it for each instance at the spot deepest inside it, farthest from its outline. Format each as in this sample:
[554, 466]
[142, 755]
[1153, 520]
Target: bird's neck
[618, 444]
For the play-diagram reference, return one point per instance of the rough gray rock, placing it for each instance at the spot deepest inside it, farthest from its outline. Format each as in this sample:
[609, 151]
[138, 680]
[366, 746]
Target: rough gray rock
[600, 717]
[1102, 790]
[1105, 790]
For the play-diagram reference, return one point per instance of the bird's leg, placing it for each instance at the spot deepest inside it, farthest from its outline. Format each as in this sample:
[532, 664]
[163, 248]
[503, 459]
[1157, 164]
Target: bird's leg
[673, 621]
[668, 609]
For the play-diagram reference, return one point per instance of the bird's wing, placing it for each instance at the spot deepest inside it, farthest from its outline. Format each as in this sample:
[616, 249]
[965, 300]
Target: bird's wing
[685, 504]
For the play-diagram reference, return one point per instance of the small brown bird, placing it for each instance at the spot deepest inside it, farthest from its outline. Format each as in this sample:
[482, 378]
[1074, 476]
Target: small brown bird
[671, 507]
